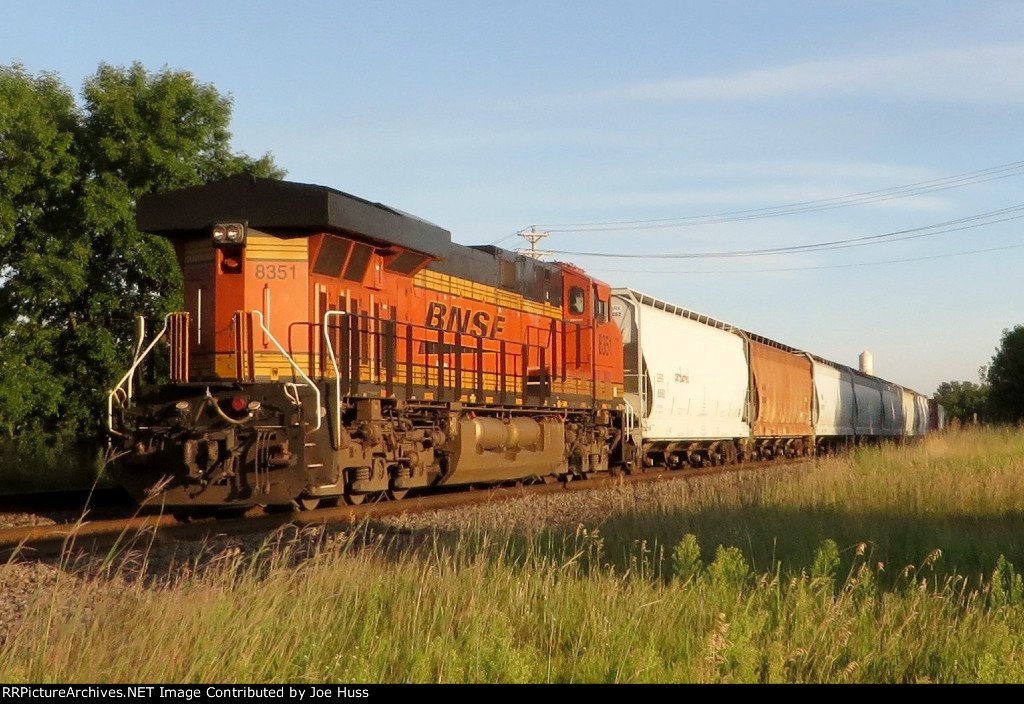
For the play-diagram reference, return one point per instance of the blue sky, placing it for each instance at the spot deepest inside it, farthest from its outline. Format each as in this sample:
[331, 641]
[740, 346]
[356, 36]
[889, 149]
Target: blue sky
[487, 119]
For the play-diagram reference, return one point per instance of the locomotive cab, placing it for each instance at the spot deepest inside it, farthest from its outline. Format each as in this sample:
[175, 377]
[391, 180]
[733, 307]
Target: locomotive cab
[593, 348]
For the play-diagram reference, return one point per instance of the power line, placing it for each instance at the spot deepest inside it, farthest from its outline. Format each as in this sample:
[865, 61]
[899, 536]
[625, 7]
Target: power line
[508, 237]
[809, 268]
[930, 186]
[1012, 213]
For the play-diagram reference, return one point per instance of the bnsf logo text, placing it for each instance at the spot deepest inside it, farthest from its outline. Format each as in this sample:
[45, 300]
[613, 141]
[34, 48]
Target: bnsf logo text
[455, 319]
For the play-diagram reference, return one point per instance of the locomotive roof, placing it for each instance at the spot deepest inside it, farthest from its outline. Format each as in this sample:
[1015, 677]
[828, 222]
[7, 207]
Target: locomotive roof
[285, 206]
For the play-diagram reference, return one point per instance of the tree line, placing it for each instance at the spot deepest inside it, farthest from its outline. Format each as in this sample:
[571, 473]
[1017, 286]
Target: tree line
[75, 273]
[998, 396]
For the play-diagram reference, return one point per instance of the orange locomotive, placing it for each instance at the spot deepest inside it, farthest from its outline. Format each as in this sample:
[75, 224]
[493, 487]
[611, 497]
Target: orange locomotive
[333, 347]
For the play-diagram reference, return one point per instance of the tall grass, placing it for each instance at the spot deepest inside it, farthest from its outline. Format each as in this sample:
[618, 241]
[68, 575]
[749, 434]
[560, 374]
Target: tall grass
[896, 564]
[959, 492]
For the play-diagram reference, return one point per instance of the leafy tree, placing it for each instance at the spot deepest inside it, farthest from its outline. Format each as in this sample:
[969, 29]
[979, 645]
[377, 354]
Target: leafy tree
[1006, 377]
[962, 399]
[39, 172]
[74, 271]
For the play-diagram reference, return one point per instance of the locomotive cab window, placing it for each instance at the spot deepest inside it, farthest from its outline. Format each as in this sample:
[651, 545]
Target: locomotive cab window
[600, 308]
[577, 301]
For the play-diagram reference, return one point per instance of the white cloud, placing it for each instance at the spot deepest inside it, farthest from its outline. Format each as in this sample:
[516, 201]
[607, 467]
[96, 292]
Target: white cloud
[744, 196]
[985, 74]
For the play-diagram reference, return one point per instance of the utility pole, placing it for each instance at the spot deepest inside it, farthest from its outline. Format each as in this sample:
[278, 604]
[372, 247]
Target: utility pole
[533, 237]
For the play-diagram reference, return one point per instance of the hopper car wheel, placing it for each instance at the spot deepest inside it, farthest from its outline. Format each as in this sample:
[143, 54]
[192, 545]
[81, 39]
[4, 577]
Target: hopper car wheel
[307, 504]
[397, 494]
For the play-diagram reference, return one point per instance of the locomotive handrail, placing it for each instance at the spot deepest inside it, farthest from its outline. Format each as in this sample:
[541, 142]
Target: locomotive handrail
[118, 388]
[337, 374]
[629, 421]
[310, 335]
[295, 367]
[140, 340]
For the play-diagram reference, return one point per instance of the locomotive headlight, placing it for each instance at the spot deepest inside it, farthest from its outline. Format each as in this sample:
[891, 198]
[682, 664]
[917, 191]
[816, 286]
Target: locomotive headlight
[229, 233]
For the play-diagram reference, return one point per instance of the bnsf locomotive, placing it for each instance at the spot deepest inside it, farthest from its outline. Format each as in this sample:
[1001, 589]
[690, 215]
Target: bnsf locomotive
[332, 348]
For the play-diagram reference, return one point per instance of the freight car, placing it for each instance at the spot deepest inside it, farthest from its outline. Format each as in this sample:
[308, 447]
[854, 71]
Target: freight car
[335, 348]
[708, 392]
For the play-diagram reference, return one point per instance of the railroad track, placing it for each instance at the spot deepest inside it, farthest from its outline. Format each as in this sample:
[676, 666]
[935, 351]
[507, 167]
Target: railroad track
[105, 498]
[85, 534]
